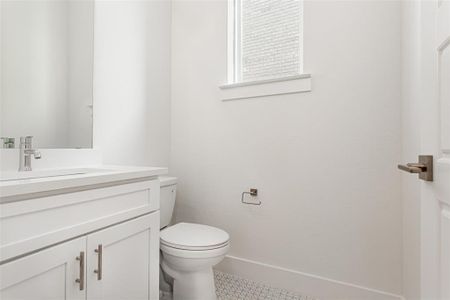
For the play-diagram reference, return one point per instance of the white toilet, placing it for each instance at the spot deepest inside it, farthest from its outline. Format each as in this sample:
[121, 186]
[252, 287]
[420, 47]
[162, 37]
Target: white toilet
[189, 251]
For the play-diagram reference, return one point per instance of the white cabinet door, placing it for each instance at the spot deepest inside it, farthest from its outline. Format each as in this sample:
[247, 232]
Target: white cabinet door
[123, 260]
[50, 274]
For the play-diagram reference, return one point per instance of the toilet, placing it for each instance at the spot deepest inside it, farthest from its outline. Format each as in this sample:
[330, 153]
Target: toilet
[188, 251]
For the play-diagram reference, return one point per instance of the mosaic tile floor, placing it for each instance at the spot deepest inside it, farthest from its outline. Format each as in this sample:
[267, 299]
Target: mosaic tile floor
[230, 287]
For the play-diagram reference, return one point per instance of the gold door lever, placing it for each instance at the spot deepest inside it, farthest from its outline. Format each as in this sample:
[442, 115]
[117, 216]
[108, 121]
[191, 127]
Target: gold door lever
[424, 167]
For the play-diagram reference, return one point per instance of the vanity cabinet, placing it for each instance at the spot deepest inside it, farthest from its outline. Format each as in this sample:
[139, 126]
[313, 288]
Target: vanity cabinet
[114, 263]
[100, 243]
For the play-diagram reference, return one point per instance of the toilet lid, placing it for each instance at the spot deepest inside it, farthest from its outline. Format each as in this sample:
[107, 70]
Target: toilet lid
[189, 236]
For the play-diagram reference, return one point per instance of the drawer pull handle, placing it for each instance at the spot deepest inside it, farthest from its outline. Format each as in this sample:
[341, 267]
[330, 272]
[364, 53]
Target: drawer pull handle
[81, 279]
[98, 271]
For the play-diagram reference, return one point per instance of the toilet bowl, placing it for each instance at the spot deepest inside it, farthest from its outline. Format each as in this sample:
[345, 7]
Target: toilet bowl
[189, 251]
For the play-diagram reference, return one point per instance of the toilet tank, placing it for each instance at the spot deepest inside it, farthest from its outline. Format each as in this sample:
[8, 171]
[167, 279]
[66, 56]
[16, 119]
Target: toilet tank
[167, 199]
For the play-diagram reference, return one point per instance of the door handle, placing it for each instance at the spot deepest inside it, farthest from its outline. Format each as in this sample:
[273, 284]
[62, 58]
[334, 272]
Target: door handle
[99, 252]
[81, 279]
[412, 168]
[424, 167]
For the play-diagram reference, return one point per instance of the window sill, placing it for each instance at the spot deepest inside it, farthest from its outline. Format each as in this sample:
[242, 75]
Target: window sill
[253, 89]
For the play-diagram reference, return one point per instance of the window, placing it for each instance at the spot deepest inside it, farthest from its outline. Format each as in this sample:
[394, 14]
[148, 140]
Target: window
[265, 49]
[265, 40]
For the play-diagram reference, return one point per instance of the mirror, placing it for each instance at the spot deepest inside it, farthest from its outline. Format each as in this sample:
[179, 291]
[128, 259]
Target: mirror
[47, 72]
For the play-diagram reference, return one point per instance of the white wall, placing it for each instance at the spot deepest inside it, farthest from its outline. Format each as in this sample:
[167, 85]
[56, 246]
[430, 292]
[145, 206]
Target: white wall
[324, 162]
[132, 82]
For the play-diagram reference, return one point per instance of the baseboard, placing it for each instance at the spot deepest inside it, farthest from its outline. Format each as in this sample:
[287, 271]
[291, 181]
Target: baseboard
[299, 282]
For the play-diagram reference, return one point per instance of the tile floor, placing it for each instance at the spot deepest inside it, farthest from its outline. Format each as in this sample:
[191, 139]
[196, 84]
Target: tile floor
[231, 287]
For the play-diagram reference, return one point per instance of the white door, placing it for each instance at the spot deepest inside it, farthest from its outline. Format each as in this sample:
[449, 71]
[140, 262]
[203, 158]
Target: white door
[435, 139]
[442, 185]
[55, 273]
[123, 261]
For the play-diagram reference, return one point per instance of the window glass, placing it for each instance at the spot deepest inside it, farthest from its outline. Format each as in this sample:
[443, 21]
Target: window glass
[268, 39]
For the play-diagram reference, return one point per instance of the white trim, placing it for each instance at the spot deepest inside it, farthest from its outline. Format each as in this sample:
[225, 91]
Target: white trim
[270, 87]
[317, 286]
[257, 82]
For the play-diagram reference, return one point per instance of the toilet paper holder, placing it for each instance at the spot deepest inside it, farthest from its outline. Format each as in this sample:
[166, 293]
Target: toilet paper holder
[254, 193]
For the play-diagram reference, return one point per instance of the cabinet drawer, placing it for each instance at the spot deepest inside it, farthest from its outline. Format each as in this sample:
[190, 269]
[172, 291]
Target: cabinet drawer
[32, 224]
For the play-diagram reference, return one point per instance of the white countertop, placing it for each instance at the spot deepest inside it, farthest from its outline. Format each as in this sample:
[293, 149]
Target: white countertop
[98, 175]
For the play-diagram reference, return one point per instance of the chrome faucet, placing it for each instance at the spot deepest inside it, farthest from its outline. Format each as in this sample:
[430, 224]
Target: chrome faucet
[25, 153]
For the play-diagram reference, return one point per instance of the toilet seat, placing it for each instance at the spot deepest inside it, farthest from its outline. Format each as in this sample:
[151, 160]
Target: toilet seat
[193, 254]
[193, 237]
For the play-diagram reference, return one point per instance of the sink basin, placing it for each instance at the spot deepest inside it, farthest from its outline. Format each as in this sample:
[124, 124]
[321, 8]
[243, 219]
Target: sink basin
[14, 175]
